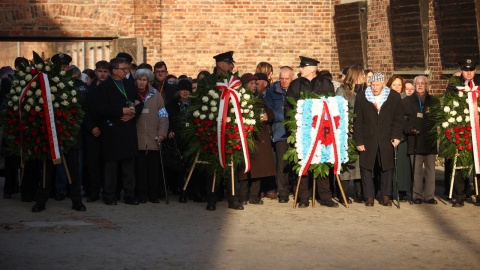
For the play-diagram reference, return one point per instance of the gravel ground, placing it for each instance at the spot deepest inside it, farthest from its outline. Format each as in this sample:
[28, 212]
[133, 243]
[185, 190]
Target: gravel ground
[271, 236]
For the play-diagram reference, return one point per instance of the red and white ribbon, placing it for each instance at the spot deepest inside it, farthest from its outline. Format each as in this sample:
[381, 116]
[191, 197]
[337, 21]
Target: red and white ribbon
[229, 94]
[473, 110]
[48, 110]
[320, 122]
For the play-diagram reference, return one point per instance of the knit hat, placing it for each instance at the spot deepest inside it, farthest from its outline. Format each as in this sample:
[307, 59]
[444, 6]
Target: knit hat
[184, 84]
[377, 77]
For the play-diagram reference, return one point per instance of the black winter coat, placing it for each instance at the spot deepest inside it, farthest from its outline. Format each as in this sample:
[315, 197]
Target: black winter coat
[119, 138]
[413, 110]
[376, 130]
[318, 85]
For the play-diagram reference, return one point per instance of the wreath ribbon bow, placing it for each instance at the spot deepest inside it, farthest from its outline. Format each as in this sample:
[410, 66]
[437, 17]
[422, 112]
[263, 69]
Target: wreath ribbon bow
[48, 109]
[229, 94]
[473, 110]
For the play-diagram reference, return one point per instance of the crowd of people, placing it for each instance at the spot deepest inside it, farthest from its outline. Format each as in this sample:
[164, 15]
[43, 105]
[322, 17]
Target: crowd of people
[132, 137]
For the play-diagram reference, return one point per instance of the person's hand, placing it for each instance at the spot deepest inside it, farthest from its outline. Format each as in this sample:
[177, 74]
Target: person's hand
[96, 132]
[159, 139]
[395, 142]
[171, 134]
[361, 148]
[127, 117]
[264, 117]
[128, 111]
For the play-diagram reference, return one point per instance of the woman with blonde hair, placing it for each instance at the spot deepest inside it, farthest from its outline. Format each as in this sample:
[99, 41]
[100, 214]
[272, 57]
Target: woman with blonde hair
[267, 69]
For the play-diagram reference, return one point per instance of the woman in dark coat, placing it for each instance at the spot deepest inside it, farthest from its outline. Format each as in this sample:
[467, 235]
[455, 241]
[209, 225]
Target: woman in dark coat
[377, 129]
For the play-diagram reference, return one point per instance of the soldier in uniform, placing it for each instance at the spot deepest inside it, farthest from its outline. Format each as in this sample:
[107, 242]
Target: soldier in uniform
[308, 81]
[224, 65]
[468, 78]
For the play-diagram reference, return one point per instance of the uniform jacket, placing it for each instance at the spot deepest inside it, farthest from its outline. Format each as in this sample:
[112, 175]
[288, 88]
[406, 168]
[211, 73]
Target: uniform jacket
[376, 130]
[275, 99]
[318, 85]
[119, 139]
[153, 122]
[416, 116]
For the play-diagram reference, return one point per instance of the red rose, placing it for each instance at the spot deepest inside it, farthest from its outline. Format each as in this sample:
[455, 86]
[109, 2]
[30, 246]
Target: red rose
[469, 147]
[196, 120]
[61, 130]
[462, 129]
[28, 139]
[37, 140]
[73, 111]
[228, 126]
[32, 112]
[202, 139]
[237, 136]
[455, 129]
[235, 128]
[457, 135]
[205, 147]
[210, 139]
[60, 142]
[44, 149]
[469, 128]
[466, 135]
[210, 123]
[58, 113]
[252, 128]
[447, 131]
[34, 132]
[213, 133]
[35, 149]
[460, 148]
[467, 141]
[31, 119]
[68, 135]
[199, 130]
[10, 131]
[457, 142]
[66, 115]
[17, 141]
[72, 122]
[205, 129]
[230, 136]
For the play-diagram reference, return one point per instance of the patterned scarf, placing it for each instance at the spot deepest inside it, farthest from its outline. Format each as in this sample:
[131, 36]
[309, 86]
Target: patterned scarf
[383, 97]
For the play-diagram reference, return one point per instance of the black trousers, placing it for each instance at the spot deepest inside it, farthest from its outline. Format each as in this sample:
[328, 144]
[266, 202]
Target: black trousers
[12, 165]
[251, 186]
[283, 185]
[323, 187]
[147, 175]
[225, 178]
[94, 165]
[127, 174]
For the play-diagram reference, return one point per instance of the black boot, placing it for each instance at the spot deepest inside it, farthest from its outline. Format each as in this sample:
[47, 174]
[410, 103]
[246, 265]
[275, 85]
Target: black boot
[182, 197]
[38, 207]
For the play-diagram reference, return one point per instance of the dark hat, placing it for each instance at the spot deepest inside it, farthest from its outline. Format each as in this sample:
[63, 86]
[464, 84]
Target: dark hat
[247, 77]
[468, 64]
[184, 84]
[261, 76]
[61, 58]
[126, 56]
[5, 71]
[345, 70]
[305, 61]
[224, 57]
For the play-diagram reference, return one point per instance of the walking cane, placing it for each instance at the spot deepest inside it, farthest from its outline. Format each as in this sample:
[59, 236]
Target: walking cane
[395, 150]
[413, 163]
[163, 172]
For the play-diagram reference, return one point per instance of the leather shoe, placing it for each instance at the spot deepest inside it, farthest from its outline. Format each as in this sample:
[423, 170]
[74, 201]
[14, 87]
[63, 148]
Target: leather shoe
[340, 200]
[244, 202]
[155, 201]
[272, 195]
[131, 201]
[431, 201]
[386, 201]
[111, 202]
[369, 202]
[38, 207]
[417, 201]
[458, 204]
[255, 200]
[211, 207]
[329, 203]
[79, 206]
[283, 199]
[235, 205]
[303, 204]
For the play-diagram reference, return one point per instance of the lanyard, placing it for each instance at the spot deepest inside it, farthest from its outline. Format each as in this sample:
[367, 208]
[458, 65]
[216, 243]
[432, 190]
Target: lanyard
[122, 89]
[421, 104]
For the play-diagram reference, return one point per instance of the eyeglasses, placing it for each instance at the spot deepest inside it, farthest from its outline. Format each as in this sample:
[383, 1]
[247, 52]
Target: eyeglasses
[124, 69]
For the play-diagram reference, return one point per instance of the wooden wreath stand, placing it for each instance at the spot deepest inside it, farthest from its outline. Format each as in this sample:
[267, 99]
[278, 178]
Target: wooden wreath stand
[314, 191]
[452, 180]
[196, 161]
[64, 161]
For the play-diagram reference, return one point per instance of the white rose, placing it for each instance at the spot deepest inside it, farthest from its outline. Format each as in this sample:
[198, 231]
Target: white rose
[21, 74]
[205, 99]
[74, 100]
[61, 85]
[15, 82]
[27, 69]
[74, 93]
[15, 108]
[18, 89]
[15, 98]
[211, 93]
[467, 119]
[215, 96]
[232, 110]
[28, 77]
[29, 93]
[455, 103]
[459, 118]
[37, 108]
[196, 113]
[246, 96]
[213, 103]
[38, 93]
[65, 103]
[27, 107]
[453, 113]
[56, 105]
[40, 100]
[451, 120]
[251, 114]
[64, 96]
[460, 94]
[445, 124]
[53, 89]
[254, 121]
[250, 106]
[202, 116]
[34, 84]
[244, 103]
[242, 91]
[62, 73]
[211, 116]
[446, 109]
[55, 79]
[12, 92]
[466, 111]
[30, 100]
[22, 83]
[229, 119]
[10, 103]
[47, 68]
[40, 66]
[246, 111]
[70, 83]
[52, 97]
[467, 89]
[204, 108]
[247, 121]
[213, 109]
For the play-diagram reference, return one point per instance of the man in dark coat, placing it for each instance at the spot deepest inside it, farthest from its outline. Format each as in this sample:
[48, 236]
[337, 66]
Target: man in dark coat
[420, 148]
[467, 77]
[310, 82]
[119, 107]
[377, 130]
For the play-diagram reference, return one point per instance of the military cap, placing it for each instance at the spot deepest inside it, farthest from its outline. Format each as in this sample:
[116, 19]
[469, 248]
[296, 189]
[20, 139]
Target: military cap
[61, 58]
[247, 77]
[126, 56]
[305, 61]
[468, 64]
[261, 76]
[224, 57]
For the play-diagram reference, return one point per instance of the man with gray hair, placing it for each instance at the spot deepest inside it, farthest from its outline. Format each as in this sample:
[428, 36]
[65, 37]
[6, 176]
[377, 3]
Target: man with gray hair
[421, 150]
[377, 130]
